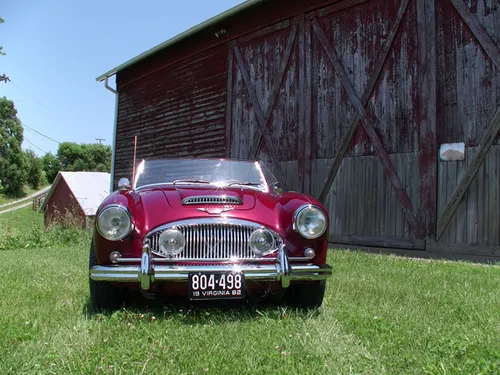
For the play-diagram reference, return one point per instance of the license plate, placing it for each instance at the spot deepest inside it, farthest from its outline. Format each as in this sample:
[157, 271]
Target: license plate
[216, 285]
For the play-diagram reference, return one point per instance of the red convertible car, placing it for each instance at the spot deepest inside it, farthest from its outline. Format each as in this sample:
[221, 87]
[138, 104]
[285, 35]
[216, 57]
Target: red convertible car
[208, 229]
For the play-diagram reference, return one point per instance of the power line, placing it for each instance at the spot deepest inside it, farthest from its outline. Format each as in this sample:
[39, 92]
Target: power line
[31, 143]
[43, 105]
[43, 135]
[31, 96]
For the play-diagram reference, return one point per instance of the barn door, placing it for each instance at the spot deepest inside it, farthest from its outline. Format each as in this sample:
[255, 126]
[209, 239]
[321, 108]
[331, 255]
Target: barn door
[341, 104]
[373, 119]
[266, 112]
[468, 191]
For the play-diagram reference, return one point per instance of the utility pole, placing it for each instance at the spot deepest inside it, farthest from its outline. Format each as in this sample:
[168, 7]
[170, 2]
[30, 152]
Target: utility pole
[100, 140]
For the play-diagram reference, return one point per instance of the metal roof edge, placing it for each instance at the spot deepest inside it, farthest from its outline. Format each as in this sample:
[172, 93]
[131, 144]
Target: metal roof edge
[60, 175]
[193, 30]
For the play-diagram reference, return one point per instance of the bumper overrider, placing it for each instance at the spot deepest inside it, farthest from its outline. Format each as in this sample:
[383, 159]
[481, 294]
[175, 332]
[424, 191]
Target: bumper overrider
[150, 271]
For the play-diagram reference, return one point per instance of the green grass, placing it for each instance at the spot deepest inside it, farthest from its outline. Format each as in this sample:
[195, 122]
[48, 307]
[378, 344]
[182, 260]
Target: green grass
[17, 221]
[24, 228]
[381, 315]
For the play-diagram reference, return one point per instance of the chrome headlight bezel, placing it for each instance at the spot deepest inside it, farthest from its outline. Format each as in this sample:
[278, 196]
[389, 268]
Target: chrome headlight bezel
[122, 209]
[303, 210]
[180, 247]
[272, 244]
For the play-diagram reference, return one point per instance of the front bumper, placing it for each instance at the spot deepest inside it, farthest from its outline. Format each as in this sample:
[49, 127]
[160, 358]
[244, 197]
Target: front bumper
[149, 272]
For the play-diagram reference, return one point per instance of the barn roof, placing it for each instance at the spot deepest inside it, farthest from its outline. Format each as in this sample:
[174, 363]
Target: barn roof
[88, 188]
[193, 30]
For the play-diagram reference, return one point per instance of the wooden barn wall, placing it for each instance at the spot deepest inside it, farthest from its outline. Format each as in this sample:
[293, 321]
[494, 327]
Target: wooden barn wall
[477, 218]
[255, 19]
[468, 93]
[347, 100]
[419, 73]
[362, 204]
[282, 79]
[357, 34]
[468, 80]
[178, 110]
[265, 91]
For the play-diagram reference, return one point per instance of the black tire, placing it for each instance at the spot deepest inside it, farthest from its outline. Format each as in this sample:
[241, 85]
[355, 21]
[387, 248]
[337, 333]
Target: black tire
[307, 295]
[104, 296]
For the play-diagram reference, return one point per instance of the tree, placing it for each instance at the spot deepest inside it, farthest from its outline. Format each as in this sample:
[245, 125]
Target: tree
[3, 77]
[34, 171]
[77, 157]
[84, 157]
[1, 48]
[51, 166]
[12, 161]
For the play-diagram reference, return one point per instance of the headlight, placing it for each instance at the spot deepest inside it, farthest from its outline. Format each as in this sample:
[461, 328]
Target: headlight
[114, 223]
[310, 221]
[172, 242]
[262, 242]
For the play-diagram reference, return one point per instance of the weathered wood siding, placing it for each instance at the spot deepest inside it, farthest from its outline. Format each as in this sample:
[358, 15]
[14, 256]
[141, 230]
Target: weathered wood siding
[346, 100]
[468, 80]
[272, 64]
[468, 40]
[290, 95]
[177, 110]
[477, 218]
[362, 202]
[357, 34]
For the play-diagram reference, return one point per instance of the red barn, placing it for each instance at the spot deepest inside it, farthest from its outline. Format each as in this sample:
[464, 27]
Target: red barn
[351, 101]
[74, 198]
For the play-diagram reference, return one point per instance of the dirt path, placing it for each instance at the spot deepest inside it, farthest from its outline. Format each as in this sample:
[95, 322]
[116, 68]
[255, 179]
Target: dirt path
[15, 208]
[45, 189]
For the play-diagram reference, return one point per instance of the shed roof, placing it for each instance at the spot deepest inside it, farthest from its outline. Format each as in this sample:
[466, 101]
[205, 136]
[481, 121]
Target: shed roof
[88, 188]
[193, 30]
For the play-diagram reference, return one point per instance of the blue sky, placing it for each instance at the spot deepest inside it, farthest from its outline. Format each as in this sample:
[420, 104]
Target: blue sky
[56, 49]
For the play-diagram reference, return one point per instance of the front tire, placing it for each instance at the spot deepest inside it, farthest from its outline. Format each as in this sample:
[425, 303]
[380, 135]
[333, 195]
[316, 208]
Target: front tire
[307, 295]
[103, 295]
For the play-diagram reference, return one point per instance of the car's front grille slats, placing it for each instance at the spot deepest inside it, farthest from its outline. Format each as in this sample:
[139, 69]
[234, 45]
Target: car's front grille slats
[208, 241]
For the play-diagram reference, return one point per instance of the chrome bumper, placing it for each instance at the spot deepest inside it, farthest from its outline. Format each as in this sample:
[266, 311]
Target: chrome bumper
[148, 272]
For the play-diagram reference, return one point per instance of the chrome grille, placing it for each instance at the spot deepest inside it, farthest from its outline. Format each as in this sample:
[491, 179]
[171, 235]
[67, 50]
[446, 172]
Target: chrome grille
[212, 240]
[212, 199]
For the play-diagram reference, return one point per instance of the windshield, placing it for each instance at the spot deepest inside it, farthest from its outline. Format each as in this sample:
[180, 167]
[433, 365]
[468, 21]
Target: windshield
[214, 172]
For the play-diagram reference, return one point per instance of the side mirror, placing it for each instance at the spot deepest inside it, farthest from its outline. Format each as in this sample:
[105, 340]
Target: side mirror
[124, 184]
[276, 188]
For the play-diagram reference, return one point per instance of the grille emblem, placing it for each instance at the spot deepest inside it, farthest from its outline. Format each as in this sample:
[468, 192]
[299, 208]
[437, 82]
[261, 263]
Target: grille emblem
[214, 211]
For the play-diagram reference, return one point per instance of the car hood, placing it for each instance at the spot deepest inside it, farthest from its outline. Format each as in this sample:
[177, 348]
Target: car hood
[158, 206]
[210, 198]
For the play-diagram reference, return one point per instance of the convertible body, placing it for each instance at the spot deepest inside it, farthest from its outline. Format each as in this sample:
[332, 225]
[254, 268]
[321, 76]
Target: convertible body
[208, 229]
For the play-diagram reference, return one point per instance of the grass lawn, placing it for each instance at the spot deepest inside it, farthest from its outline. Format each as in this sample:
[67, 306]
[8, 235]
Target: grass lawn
[381, 315]
[20, 220]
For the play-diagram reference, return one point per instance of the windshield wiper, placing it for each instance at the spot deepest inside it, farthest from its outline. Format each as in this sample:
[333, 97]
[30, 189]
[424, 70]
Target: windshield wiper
[191, 181]
[249, 183]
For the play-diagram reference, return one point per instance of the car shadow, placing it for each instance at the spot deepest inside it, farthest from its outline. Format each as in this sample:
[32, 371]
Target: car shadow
[182, 310]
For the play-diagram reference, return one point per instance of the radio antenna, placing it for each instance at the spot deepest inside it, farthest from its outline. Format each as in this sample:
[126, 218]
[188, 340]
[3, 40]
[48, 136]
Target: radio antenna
[133, 165]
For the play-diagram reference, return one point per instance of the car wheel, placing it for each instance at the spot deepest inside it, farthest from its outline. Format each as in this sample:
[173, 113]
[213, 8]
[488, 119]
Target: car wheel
[307, 295]
[103, 295]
